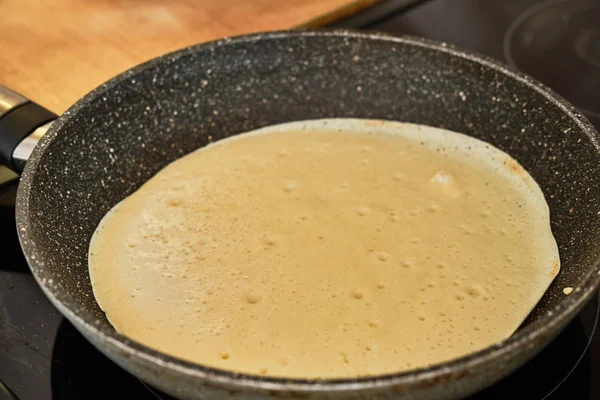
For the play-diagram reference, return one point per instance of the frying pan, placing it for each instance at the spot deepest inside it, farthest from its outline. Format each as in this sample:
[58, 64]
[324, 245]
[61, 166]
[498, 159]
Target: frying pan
[119, 135]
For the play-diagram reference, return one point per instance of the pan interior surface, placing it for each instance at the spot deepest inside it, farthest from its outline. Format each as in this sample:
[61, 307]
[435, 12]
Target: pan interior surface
[111, 142]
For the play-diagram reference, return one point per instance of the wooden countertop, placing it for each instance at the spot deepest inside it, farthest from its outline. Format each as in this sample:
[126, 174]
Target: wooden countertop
[55, 51]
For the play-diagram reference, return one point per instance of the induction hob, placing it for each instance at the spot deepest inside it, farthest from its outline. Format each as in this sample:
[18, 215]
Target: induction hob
[558, 42]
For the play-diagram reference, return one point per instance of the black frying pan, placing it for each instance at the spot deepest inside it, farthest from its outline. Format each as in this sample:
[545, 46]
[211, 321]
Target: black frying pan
[115, 138]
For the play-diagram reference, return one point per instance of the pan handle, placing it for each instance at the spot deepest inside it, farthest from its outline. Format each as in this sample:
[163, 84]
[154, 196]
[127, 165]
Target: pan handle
[22, 124]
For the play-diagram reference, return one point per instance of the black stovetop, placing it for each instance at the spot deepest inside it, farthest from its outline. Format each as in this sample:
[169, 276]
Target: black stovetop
[558, 42]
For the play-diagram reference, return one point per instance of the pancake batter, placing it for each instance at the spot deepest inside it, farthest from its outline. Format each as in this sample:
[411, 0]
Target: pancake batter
[329, 248]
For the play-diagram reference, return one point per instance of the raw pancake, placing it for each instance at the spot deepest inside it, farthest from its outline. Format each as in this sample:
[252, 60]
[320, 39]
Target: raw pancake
[327, 248]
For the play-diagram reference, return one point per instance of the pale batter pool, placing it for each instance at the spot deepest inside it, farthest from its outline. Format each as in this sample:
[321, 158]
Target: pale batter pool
[329, 248]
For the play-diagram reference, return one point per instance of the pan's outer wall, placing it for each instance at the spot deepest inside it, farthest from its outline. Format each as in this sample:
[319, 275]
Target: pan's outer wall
[121, 134]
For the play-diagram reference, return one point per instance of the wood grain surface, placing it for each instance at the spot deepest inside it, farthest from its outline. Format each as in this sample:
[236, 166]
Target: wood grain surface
[55, 51]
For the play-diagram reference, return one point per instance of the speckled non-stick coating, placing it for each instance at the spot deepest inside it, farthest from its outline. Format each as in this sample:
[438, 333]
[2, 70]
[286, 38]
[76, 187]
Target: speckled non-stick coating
[122, 133]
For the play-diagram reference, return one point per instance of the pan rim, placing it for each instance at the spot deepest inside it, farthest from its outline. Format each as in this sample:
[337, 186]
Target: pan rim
[549, 322]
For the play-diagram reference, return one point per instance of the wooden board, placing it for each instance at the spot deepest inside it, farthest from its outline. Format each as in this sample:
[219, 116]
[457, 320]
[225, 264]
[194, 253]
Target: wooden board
[55, 51]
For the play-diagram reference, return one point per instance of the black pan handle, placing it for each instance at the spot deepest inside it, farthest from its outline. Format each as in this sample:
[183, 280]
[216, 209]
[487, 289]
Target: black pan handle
[22, 124]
